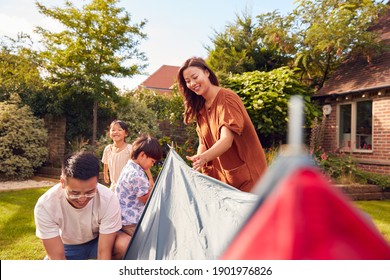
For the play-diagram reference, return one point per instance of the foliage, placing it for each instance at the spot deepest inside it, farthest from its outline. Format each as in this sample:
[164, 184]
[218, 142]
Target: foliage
[18, 71]
[97, 42]
[336, 165]
[266, 96]
[271, 154]
[277, 34]
[315, 37]
[138, 117]
[240, 48]
[22, 140]
[168, 108]
[79, 118]
[324, 32]
[343, 169]
[79, 144]
[380, 180]
[188, 148]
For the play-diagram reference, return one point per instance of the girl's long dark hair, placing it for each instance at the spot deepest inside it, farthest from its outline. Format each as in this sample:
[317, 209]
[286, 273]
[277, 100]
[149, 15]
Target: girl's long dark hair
[193, 103]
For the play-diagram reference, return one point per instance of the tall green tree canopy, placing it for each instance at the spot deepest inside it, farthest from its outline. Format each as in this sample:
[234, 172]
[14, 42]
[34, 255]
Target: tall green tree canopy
[97, 42]
[319, 34]
[18, 72]
[316, 37]
[240, 48]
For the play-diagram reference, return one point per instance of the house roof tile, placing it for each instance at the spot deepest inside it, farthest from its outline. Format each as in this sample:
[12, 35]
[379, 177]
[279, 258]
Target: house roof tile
[163, 79]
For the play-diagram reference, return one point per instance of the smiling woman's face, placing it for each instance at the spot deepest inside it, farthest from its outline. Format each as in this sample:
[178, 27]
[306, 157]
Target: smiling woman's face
[197, 79]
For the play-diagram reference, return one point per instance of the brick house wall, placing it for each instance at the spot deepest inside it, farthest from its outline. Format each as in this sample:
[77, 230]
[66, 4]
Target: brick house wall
[329, 142]
[56, 127]
[379, 160]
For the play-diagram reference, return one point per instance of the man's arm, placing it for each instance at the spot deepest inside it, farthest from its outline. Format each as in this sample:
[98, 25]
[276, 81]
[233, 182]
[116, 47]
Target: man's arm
[106, 245]
[54, 248]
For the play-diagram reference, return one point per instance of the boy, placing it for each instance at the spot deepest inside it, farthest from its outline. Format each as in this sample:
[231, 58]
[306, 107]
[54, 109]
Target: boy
[133, 187]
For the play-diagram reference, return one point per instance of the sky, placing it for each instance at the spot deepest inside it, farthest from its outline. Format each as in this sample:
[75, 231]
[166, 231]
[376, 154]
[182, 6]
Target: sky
[176, 29]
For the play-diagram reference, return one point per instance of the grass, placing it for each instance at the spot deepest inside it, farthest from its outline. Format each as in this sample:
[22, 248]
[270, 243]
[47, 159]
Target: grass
[380, 214]
[17, 227]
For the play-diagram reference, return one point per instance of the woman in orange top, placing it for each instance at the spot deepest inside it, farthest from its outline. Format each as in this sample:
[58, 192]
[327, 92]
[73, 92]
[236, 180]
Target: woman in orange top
[229, 148]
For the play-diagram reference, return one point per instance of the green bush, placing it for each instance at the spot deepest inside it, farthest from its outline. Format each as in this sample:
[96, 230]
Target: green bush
[380, 180]
[138, 117]
[266, 97]
[23, 140]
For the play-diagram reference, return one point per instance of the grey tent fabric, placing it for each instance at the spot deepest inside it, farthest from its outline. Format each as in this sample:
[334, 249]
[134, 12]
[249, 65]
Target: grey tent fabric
[189, 216]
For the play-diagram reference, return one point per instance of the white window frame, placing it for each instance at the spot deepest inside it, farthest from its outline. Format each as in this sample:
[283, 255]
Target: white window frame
[353, 128]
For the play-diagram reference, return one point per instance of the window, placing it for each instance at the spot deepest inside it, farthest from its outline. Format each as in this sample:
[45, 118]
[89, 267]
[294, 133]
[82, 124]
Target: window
[355, 126]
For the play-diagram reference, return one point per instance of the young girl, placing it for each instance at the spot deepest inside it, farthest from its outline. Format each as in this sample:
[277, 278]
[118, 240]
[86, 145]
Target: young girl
[116, 155]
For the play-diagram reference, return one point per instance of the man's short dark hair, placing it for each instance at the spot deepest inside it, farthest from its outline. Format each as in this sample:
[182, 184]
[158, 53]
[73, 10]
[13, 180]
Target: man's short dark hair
[81, 165]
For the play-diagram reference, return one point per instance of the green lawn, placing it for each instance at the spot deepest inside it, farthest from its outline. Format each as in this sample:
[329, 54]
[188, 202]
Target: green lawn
[17, 228]
[380, 214]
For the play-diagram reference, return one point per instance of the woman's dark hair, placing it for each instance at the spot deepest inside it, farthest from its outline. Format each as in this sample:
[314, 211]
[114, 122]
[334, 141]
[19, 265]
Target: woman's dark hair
[193, 103]
[147, 144]
[81, 165]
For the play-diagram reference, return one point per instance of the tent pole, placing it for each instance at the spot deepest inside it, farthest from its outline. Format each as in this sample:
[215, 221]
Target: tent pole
[295, 124]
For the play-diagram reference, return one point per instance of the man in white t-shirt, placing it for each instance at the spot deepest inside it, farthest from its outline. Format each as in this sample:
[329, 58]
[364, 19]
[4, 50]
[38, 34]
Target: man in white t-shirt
[79, 218]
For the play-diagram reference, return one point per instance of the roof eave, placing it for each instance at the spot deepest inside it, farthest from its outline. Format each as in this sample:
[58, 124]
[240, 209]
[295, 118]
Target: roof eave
[350, 92]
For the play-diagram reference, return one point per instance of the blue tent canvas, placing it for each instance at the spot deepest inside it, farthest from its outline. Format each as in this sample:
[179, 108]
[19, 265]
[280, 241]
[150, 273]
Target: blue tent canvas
[189, 216]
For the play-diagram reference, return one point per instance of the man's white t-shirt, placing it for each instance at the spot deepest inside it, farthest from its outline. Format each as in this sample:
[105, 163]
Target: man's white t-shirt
[54, 216]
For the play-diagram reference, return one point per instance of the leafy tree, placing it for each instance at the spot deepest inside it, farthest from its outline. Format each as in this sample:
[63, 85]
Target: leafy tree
[166, 107]
[315, 37]
[97, 42]
[22, 140]
[18, 72]
[240, 48]
[139, 118]
[320, 34]
[169, 109]
[266, 96]
[275, 32]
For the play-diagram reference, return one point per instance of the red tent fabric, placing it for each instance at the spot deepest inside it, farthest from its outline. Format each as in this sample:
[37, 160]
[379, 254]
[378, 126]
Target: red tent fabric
[303, 218]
